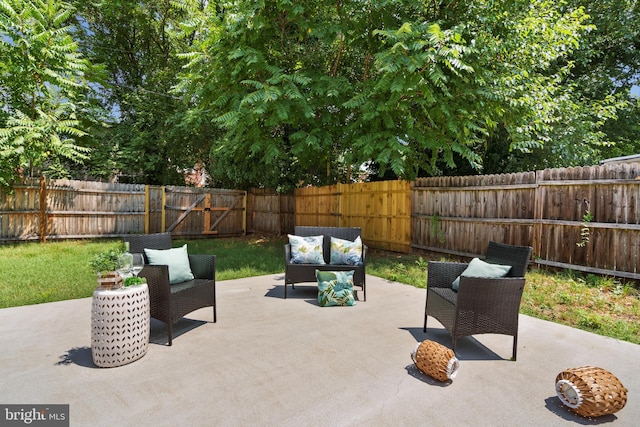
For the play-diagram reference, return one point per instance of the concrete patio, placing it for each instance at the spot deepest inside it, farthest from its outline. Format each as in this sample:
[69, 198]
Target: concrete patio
[275, 362]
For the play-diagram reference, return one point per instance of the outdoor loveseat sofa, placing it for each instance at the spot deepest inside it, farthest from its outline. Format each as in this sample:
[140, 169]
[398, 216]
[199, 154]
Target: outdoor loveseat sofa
[297, 273]
[480, 305]
[170, 302]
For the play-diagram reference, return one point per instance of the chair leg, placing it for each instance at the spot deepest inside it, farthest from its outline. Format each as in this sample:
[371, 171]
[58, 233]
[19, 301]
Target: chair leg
[426, 301]
[515, 347]
[285, 290]
[170, 332]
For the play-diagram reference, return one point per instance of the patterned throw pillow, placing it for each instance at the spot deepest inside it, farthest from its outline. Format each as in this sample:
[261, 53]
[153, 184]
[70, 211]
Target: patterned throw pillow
[346, 252]
[335, 288]
[306, 250]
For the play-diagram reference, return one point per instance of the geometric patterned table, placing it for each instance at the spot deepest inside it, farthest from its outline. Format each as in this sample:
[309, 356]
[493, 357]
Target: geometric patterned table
[120, 325]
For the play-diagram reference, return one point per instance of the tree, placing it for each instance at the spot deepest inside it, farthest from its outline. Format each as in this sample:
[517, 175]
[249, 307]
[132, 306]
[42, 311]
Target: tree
[608, 63]
[42, 87]
[305, 93]
[149, 137]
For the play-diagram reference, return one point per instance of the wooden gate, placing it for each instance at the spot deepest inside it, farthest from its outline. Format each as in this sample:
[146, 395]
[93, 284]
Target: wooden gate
[185, 211]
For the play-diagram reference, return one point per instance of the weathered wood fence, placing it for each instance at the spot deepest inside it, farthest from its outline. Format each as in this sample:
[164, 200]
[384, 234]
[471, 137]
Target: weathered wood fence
[269, 211]
[66, 209]
[585, 219]
[580, 218]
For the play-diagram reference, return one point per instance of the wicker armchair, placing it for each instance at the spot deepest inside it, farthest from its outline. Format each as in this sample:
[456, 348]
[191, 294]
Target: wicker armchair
[169, 303]
[481, 306]
[296, 273]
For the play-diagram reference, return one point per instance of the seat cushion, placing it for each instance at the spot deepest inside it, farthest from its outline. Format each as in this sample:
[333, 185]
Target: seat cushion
[189, 284]
[447, 294]
[177, 259]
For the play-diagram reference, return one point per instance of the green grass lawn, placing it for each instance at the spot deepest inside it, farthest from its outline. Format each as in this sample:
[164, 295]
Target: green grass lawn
[34, 273]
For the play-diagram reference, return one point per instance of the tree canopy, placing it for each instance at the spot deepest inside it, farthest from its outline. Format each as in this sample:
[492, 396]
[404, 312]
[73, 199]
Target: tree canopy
[148, 139]
[282, 93]
[312, 91]
[43, 89]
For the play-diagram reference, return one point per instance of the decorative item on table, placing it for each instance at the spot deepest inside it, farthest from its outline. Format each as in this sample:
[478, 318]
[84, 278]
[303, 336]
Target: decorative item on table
[110, 280]
[590, 392]
[134, 281]
[137, 263]
[105, 264]
[435, 360]
[125, 262]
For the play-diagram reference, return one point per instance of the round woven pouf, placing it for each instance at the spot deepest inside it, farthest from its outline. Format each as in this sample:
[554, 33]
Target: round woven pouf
[435, 360]
[590, 391]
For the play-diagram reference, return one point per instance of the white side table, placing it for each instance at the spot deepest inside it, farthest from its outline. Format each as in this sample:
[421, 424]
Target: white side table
[120, 325]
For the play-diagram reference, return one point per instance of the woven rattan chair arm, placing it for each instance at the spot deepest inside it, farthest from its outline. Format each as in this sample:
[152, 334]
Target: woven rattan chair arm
[203, 266]
[441, 274]
[157, 279]
[287, 253]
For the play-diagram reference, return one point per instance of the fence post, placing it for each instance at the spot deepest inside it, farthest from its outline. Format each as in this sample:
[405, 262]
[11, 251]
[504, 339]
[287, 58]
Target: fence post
[147, 215]
[244, 214]
[42, 195]
[163, 220]
[539, 196]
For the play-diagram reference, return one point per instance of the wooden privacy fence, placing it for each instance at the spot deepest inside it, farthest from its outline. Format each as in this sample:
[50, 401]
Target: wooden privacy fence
[584, 219]
[382, 209]
[270, 211]
[459, 215]
[579, 218]
[589, 217]
[64, 209]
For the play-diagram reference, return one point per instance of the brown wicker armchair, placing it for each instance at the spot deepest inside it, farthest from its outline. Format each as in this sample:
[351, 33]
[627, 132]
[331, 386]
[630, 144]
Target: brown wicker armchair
[169, 303]
[481, 306]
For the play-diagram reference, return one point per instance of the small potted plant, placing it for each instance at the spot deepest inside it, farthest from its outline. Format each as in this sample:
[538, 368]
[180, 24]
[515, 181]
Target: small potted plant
[134, 280]
[105, 265]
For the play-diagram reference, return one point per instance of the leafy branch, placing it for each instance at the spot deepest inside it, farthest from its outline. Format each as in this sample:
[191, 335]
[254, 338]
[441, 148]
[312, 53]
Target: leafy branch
[434, 228]
[585, 232]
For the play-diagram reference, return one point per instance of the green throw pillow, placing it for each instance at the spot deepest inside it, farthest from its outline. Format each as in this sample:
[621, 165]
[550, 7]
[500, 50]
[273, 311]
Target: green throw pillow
[346, 252]
[335, 288]
[177, 259]
[479, 268]
[306, 250]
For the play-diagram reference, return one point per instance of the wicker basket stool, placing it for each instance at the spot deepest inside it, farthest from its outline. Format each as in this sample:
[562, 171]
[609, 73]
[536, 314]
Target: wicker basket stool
[435, 360]
[590, 391]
